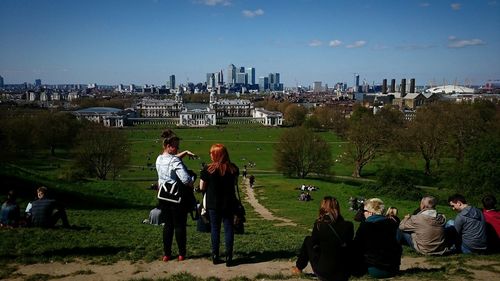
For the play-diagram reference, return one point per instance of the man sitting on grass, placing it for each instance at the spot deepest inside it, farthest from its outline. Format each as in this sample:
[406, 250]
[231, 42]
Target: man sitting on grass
[46, 212]
[424, 232]
[469, 225]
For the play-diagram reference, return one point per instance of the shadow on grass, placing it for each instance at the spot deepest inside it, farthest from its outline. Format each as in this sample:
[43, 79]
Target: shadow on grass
[25, 189]
[257, 257]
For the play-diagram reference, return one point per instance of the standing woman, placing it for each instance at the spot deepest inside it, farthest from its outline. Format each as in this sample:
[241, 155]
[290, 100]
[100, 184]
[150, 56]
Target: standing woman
[171, 169]
[326, 249]
[218, 179]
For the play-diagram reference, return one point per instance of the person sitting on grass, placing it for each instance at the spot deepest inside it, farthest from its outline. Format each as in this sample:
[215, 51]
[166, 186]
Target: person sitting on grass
[376, 246]
[46, 212]
[492, 218]
[326, 249]
[10, 213]
[470, 226]
[424, 232]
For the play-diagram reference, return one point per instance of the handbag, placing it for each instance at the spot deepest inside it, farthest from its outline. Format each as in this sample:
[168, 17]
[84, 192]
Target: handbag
[170, 192]
[203, 221]
[239, 214]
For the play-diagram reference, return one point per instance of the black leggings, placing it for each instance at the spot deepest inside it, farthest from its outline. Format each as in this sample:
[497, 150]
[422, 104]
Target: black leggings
[175, 221]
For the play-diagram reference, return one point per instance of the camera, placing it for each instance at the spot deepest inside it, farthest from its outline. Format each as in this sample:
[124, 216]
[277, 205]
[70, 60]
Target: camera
[356, 203]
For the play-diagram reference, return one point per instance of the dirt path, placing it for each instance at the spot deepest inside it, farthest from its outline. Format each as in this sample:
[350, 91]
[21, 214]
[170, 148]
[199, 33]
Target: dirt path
[125, 270]
[261, 210]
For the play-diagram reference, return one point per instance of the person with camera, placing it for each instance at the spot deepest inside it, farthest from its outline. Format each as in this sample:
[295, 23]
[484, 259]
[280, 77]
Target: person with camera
[218, 180]
[327, 248]
[171, 170]
[376, 246]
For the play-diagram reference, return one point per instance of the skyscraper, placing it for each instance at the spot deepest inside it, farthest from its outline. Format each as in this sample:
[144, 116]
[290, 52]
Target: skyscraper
[1, 82]
[263, 83]
[231, 74]
[38, 82]
[171, 82]
[251, 75]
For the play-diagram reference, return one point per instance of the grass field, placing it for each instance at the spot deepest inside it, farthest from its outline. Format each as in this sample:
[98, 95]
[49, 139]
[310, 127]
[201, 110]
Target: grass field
[107, 215]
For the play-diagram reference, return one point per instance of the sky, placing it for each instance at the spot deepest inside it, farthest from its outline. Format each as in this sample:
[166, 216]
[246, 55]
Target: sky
[109, 42]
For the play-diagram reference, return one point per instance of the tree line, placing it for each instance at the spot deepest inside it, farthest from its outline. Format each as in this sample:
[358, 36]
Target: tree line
[98, 151]
[458, 143]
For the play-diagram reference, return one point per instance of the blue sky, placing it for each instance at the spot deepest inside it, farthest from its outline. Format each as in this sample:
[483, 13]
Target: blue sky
[145, 41]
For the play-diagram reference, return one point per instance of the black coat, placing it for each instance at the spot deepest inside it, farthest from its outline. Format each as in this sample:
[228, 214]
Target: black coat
[221, 192]
[333, 260]
[376, 244]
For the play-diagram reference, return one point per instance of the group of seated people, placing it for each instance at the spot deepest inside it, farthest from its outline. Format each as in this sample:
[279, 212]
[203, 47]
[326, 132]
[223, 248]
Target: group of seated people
[305, 187]
[335, 252]
[41, 212]
[305, 196]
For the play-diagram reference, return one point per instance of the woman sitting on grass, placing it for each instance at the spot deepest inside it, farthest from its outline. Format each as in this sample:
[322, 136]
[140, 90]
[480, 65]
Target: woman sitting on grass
[326, 248]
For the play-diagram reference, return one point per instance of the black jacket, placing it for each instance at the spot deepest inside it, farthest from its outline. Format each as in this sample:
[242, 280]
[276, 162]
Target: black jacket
[376, 244]
[333, 259]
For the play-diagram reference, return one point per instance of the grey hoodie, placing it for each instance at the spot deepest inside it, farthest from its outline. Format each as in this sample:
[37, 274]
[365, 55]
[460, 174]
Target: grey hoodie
[471, 227]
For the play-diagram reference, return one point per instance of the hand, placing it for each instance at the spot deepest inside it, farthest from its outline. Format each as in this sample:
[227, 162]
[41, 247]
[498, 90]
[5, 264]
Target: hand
[407, 216]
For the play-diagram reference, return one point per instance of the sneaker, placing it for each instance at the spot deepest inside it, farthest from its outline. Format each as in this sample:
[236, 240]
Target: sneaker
[296, 271]
[181, 258]
[165, 258]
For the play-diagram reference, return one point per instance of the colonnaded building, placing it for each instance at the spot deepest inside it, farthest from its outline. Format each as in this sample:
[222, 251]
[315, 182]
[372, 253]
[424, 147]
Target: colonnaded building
[174, 112]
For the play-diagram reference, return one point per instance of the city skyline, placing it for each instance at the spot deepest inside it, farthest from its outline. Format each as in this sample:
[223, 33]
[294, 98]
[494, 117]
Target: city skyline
[144, 42]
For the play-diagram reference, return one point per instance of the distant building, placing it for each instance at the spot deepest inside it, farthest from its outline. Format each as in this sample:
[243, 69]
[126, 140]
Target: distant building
[108, 116]
[231, 74]
[171, 82]
[450, 89]
[251, 75]
[197, 118]
[263, 83]
[268, 118]
[241, 78]
[158, 108]
[38, 83]
[1, 82]
[317, 87]
[230, 108]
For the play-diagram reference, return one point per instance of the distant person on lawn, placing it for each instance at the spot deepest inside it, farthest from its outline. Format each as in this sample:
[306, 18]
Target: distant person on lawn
[219, 179]
[326, 249]
[10, 213]
[47, 212]
[424, 232]
[171, 169]
[469, 225]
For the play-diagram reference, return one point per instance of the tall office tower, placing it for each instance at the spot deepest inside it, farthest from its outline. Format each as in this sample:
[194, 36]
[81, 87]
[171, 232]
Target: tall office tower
[356, 83]
[384, 86]
[241, 78]
[171, 82]
[38, 82]
[220, 81]
[131, 88]
[242, 69]
[231, 74]
[210, 80]
[1, 82]
[251, 75]
[263, 83]
[402, 89]
[393, 85]
[120, 88]
[317, 87]
[412, 85]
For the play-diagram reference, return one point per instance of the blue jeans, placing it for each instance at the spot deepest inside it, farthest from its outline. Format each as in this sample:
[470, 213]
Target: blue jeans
[216, 218]
[407, 239]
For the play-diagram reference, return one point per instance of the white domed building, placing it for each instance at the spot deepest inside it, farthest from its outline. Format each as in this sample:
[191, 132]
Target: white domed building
[450, 89]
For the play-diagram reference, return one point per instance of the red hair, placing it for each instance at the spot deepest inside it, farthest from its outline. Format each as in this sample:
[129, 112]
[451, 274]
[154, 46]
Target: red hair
[220, 160]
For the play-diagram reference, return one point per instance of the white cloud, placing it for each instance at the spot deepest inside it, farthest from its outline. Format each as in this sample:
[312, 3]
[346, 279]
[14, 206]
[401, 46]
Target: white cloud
[455, 43]
[335, 43]
[216, 2]
[357, 44]
[452, 37]
[315, 43]
[424, 4]
[456, 6]
[252, 14]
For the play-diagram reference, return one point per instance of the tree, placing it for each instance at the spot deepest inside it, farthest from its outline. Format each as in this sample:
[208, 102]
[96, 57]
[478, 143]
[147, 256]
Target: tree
[369, 134]
[56, 130]
[428, 133]
[300, 152]
[332, 118]
[101, 150]
[295, 115]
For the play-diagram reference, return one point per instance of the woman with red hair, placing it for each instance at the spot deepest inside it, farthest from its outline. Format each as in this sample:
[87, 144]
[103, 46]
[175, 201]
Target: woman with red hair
[218, 179]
